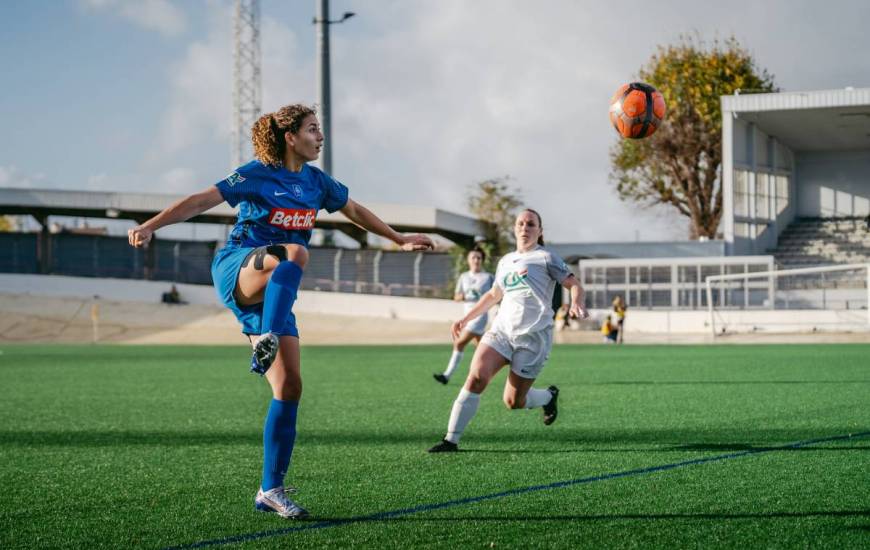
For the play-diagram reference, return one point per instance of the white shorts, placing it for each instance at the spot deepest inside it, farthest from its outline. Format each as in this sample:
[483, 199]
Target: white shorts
[477, 325]
[526, 353]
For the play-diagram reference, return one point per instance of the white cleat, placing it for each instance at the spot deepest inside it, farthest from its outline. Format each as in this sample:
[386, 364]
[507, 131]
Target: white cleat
[275, 501]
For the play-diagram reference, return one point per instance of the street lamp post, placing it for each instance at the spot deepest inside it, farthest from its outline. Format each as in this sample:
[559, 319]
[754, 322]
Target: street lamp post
[323, 81]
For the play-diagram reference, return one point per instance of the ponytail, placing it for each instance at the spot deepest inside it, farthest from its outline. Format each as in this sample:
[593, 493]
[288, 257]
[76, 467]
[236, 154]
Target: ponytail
[264, 136]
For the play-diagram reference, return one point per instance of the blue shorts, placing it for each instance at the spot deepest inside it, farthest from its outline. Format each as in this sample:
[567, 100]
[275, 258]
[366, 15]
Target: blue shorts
[225, 274]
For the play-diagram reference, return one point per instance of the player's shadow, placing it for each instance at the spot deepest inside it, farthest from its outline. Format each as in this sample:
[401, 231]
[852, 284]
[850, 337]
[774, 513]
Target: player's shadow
[736, 447]
[609, 517]
[718, 447]
[107, 438]
[719, 382]
[554, 442]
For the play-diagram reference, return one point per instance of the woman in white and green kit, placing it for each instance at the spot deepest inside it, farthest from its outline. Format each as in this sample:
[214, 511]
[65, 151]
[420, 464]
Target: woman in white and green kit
[521, 335]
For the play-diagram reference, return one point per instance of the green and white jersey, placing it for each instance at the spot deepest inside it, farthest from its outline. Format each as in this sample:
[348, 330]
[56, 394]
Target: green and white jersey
[472, 286]
[528, 280]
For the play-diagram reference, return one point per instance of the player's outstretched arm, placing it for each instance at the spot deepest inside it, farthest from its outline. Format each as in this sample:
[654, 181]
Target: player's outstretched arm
[489, 299]
[177, 212]
[365, 218]
[578, 298]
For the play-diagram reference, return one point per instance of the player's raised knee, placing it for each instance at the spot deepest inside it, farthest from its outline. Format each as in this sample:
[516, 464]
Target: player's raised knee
[297, 254]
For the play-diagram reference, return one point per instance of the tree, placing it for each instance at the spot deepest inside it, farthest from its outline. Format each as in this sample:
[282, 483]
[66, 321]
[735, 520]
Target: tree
[680, 164]
[6, 224]
[495, 203]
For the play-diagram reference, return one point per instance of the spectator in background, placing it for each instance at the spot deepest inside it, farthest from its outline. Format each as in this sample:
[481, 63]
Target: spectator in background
[619, 308]
[609, 331]
[172, 297]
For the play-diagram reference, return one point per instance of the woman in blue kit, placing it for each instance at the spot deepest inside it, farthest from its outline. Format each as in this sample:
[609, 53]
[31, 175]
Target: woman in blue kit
[257, 273]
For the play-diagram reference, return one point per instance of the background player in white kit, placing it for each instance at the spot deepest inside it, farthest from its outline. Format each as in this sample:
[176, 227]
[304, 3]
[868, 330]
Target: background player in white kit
[471, 285]
[522, 333]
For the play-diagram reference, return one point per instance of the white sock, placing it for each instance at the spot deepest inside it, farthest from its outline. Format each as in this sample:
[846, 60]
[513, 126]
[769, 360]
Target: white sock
[464, 409]
[454, 362]
[537, 398]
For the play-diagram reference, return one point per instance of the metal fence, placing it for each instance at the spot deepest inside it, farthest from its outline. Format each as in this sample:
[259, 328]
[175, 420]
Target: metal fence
[330, 269]
[671, 283]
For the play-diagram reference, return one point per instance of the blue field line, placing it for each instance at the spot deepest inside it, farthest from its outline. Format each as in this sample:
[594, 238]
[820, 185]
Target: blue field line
[522, 490]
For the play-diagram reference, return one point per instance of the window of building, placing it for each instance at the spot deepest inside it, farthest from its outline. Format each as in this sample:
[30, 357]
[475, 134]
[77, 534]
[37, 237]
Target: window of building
[741, 193]
[762, 199]
[781, 194]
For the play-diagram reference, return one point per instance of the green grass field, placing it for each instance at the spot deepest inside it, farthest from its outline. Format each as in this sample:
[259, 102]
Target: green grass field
[159, 446]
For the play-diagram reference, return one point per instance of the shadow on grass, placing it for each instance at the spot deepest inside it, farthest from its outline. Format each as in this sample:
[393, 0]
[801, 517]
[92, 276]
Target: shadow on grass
[719, 382]
[543, 442]
[109, 438]
[747, 447]
[608, 517]
[725, 447]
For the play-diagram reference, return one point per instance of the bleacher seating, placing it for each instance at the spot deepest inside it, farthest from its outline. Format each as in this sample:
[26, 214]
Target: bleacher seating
[823, 241]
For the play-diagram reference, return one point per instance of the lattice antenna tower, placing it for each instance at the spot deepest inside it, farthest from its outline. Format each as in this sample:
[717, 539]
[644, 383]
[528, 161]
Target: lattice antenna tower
[246, 78]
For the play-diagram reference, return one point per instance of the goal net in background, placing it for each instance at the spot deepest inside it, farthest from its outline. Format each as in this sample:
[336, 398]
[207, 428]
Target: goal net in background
[828, 298]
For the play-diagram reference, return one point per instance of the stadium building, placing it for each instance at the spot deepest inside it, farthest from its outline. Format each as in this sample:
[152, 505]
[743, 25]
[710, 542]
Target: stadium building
[796, 175]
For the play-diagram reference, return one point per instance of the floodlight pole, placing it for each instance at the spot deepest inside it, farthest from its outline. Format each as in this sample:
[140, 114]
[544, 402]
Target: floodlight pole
[246, 78]
[323, 78]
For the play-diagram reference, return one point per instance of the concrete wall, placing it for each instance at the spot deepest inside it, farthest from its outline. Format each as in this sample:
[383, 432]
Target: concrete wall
[129, 290]
[424, 309]
[833, 184]
[742, 321]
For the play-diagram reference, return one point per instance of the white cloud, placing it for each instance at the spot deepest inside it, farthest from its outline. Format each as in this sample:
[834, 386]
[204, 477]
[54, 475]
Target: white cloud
[201, 85]
[153, 15]
[98, 182]
[429, 98]
[178, 180]
[200, 90]
[444, 101]
[12, 176]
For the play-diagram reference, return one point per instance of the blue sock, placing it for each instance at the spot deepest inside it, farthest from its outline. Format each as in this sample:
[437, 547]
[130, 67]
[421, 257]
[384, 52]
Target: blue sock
[280, 295]
[279, 434]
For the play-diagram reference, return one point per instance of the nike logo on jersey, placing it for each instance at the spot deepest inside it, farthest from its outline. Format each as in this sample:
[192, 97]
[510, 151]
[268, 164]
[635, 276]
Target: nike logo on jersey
[279, 193]
[292, 218]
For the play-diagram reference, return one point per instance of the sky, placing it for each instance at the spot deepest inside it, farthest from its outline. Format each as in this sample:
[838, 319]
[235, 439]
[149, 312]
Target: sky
[428, 97]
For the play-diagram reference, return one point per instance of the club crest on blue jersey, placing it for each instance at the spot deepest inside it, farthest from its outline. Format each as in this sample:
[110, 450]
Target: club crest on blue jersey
[234, 178]
[297, 190]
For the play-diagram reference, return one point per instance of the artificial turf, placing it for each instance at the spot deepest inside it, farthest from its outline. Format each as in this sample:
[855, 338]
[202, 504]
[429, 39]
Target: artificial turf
[158, 446]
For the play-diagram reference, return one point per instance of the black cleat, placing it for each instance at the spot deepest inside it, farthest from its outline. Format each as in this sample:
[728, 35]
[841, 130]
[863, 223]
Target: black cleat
[551, 409]
[440, 377]
[265, 350]
[445, 447]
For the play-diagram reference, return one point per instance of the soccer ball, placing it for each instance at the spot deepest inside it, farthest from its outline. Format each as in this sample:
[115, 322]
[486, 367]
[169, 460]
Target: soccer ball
[637, 110]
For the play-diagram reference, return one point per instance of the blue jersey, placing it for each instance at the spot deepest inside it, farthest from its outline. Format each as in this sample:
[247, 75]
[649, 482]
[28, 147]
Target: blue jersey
[277, 206]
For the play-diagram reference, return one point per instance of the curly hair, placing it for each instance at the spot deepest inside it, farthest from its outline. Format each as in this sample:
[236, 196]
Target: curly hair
[267, 134]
